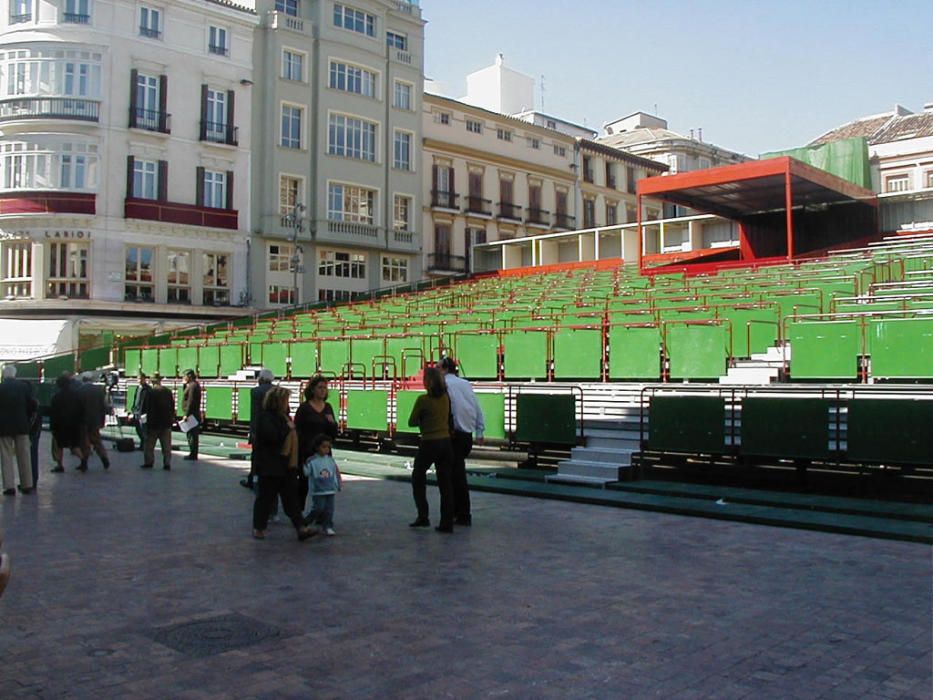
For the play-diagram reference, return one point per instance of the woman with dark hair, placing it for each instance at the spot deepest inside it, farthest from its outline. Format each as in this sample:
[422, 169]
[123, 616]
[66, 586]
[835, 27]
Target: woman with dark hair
[431, 415]
[275, 448]
[314, 417]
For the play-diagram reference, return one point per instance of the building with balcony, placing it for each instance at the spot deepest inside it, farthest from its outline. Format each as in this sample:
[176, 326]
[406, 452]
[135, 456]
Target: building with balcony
[125, 134]
[337, 156]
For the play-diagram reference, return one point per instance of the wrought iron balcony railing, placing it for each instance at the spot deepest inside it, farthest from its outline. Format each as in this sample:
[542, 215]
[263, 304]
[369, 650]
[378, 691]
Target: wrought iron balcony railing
[49, 108]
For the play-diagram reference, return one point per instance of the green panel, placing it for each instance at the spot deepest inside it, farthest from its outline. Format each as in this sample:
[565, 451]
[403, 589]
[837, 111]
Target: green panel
[695, 424]
[187, 358]
[231, 359]
[634, 352]
[890, 431]
[901, 348]
[546, 418]
[845, 158]
[478, 354]
[363, 350]
[754, 330]
[493, 406]
[304, 359]
[368, 410]
[131, 390]
[219, 402]
[131, 363]
[525, 354]
[94, 358]
[333, 355]
[27, 370]
[697, 351]
[404, 402]
[410, 348]
[150, 361]
[803, 302]
[786, 428]
[578, 354]
[208, 360]
[255, 353]
[825, 350]
[273, 357]
[168, 362]
[244, 404]
[44, 393]
[54, 367]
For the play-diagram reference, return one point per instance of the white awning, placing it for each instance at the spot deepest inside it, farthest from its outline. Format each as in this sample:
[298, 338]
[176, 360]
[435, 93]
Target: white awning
[25, 340]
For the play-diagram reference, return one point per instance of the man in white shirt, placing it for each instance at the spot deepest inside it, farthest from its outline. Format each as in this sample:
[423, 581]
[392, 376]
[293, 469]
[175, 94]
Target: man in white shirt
[468, 421]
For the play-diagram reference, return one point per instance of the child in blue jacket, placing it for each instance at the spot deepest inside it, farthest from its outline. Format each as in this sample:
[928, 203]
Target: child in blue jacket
[324, 481]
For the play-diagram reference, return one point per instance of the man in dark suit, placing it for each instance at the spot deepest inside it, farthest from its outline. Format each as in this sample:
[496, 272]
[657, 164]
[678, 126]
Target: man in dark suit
[96, 411]
[256, 395]
[139, 410]
[160, 415]
[191, 407]
[15, 398]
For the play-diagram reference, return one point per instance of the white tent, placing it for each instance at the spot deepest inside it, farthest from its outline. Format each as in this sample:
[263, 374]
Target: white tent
[24, 340]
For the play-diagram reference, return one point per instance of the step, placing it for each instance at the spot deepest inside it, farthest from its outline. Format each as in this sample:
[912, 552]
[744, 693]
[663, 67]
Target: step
[579, 467]
[590, 454]
[579, 480]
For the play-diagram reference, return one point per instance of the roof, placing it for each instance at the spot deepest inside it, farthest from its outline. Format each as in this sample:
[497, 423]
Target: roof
[466, 106]
[586, 144]
[626, 139]
[882, 128]
[242, 5]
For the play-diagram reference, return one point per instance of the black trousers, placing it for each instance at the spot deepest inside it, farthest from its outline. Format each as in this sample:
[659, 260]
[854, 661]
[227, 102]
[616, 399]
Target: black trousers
[270, 488]
[440, 454]
[192, 437]
[462, 446]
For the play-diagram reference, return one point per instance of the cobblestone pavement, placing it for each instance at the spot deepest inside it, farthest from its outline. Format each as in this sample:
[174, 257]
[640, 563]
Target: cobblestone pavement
[115, 572]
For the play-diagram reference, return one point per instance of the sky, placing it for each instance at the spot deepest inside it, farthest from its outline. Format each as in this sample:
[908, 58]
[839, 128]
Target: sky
[755, 75]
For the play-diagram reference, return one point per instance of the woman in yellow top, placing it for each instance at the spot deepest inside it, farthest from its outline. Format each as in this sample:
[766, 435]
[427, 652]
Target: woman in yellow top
[431, 414]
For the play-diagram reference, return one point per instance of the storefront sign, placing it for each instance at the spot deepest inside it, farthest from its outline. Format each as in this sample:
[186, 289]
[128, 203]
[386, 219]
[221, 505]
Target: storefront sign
[66, 235]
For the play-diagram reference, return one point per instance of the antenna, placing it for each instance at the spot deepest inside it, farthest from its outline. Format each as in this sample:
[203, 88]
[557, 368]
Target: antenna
[542, 93]
[655, 109]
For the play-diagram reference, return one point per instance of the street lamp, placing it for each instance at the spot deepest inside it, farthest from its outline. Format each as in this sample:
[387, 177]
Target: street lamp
[295, 260]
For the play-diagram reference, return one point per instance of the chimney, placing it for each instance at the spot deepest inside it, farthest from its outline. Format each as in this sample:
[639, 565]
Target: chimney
[700, 134]
[928, 107]
[691, 134]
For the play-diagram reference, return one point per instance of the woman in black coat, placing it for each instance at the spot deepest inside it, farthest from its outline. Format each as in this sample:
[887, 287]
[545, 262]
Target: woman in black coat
[66, 420]
[275, 459]
[314, 417]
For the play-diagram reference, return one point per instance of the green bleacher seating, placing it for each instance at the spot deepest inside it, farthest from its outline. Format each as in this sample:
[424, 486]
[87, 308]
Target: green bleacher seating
[826, 350]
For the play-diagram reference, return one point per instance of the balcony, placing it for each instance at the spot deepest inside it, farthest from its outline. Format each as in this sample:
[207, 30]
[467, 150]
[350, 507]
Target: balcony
[150, 32]
[512, 212]
[218, 50]
[400, 56]
[49, 108]
[400, 236]
[48, 203]
[174, 213]
[537, 217]
[21, 19]
[280, 20]
[565, 221]
[76, 18]
[478, 205]
[352, 228]
[588, 176]
[217, 132]
[441, 199]
[445, 262]
[150, 120]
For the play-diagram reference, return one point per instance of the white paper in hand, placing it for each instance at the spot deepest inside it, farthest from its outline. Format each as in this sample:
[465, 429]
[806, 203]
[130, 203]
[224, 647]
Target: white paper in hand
[188, 423]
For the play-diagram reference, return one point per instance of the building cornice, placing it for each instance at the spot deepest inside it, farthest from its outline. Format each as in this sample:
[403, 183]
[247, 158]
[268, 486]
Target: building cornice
[450, 103]
[445, 148]
[611, 152]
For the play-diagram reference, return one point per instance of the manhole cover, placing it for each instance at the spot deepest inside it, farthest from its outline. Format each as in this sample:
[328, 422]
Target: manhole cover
[214, 635]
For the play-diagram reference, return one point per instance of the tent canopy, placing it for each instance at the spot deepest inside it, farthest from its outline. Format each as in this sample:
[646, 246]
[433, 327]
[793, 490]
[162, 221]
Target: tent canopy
[25, 340]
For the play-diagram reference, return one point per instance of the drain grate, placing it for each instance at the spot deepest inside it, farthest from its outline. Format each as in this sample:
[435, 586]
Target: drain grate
[214, 635]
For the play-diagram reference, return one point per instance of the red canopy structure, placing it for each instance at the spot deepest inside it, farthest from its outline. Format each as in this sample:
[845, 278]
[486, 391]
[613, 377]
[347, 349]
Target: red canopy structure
[783, 207]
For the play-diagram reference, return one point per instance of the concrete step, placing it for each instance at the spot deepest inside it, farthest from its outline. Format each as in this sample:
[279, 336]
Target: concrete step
[604, 454]
[579, 467]
[581, 480]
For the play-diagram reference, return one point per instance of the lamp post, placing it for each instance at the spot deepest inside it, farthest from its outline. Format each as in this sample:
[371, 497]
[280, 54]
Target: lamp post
[295, 260]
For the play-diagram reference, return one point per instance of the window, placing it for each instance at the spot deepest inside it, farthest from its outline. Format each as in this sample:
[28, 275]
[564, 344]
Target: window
[402, 213]
[475, 236]
[560, 203]
[353, 79]
[474, 126]
[179, 282]
[17, 269]
[589, 213]
[442, 118]
[503, 134]
[560, 151]
[394, 269]
[148, 103]
[145, 179]
[354, 20]
[402, 96]
[334, 295]
[281, 294]
[351, 138]
[68, 270]
[291, 126]
[48, 163]
[533, 143]
[704, 163]
[395, 40]
[77, 11]
[73, 174]
[612, 216]
[611, 175]
[293, 65]
[217, 41]
[631, 214]
[215, 189]
[20, 11]
[280, 257]
[150, 22]
[289, 7]
[588, 175]
[215, 116]
[630, 179]
[138, 283]
[897, 183]
[290, 191]
[215, 282]
[351, 203]
[551, 124]
[402, 151]
[332, 263]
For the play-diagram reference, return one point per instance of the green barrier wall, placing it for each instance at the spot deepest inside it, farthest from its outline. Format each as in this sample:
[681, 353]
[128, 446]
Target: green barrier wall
[693, 424]
[786, 428]
[150, 361]
[364, 350]
[478, 354]
[763, 329]
[526, 354]
[28, 371]
[634, 352]
[54, 367]
[824, 350]
[404, 402]
[901, 348]
[273, 358]
[94, 358]
[304, 359]
[244, 404]
[208, 360]
[131, 389]
[131, 364]
[367, 410]
[578, 354]
[546, 418]
[493, 406]
[168, 362]
[231, 359]
[219, 403]
[890, 431]
[697, 351]
[187, 358]
[333, 355]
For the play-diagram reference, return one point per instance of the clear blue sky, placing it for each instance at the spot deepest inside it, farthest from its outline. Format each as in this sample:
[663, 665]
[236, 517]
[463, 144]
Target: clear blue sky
[756, 75]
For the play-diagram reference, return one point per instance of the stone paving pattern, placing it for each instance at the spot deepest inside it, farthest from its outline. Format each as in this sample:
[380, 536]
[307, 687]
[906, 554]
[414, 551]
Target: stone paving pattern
[540, 599]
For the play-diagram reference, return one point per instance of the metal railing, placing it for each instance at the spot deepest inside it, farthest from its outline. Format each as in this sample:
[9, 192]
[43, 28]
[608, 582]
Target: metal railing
[444, 199]
[446, 262]
[218, 132]
[537, 216]
[150, 120]
[77, 18]
[510, 211]
[478, 205]
[352, 228]
[149, 32]
[20, 19]
[565, 221]
[400, 236]
[50, 108]
[218, 50]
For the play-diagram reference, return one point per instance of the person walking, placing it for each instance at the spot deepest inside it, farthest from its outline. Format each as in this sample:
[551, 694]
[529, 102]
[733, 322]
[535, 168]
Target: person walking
[159, 410]
[468, 421]
[66, 421]
[14, 432]
[35, 432]
[276, 459]
[96, 411]
[314, 417]
[139, 409]
[256, 395]
[325, 481]
[431, 415]
[191, 407]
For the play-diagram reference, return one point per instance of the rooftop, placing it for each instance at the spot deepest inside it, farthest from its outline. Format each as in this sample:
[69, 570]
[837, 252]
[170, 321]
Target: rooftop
[897, 125]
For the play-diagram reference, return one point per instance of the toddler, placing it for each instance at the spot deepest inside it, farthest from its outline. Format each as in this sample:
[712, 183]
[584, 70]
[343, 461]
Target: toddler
[324, 482]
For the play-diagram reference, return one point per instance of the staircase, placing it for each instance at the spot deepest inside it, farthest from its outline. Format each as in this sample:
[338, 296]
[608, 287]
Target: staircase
[607, 456]
[762, 368]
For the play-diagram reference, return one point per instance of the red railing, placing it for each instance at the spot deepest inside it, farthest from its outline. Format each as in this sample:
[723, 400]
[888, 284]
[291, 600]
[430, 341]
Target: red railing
[48, 203]
[174, 213]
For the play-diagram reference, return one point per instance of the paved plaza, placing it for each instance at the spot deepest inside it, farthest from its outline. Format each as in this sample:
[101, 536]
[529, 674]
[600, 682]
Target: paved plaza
[147, 584]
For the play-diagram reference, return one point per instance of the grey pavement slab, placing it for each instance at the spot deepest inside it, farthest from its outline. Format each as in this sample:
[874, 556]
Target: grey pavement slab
[147, 584]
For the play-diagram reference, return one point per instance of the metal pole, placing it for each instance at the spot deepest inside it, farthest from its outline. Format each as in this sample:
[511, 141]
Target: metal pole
[296, 229]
